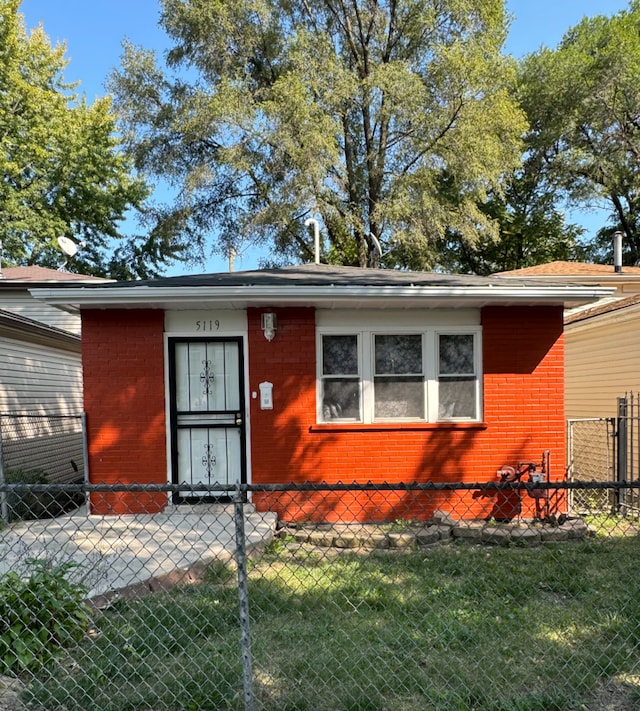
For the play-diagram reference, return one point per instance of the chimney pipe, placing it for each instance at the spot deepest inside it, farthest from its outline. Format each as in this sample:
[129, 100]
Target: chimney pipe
[617, 252]
[316, 237]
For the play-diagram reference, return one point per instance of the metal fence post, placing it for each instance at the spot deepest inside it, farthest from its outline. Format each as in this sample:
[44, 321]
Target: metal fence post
[4, 505]
[85, 447]
[570, 463]
[621, 459]
[243, 594]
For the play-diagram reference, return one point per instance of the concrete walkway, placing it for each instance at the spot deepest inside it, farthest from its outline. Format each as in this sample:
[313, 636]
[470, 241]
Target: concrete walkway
[132, 554]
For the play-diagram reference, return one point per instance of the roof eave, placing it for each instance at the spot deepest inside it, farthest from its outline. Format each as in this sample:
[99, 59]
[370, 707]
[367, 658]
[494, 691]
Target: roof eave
[21, 328]
[240, 297]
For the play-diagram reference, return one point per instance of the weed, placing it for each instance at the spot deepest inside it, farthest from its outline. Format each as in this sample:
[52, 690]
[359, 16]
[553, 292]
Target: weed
[39, 615]
[218, 572]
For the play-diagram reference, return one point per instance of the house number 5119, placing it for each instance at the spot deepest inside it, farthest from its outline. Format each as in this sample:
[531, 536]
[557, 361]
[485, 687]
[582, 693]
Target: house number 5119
[208, 325]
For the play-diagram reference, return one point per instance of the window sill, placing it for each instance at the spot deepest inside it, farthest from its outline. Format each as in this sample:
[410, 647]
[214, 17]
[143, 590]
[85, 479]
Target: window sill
[395, 426]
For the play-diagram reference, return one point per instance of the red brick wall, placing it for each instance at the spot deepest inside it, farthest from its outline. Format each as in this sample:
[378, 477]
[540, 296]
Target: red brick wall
[123, 363]
[523, 354]
[523, 358]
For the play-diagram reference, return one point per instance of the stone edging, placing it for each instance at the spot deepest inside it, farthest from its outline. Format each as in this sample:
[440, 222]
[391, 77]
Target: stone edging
[526, 533]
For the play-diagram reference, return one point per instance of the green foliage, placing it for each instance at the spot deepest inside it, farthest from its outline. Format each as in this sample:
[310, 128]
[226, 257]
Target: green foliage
[27, 505]
[219, 572]
[22, 504]
[61, 167]
[39, 616]
[583, 102]
[355, 113]
[532, 230]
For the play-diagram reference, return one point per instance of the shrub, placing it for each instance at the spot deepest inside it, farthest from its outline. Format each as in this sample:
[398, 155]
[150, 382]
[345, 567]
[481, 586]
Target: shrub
[39, 615]
[23, 505]
[30, 505]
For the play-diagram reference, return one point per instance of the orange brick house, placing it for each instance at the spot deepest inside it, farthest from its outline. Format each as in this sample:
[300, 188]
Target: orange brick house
[318, 373]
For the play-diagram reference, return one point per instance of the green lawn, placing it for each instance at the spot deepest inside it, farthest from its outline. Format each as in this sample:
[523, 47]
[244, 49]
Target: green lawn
[444, 628]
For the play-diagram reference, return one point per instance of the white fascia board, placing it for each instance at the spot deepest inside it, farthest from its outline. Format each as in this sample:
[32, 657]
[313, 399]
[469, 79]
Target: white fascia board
[243, 296]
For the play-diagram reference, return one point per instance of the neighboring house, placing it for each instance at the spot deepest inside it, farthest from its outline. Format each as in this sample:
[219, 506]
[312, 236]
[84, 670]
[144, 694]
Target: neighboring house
[40, 367]
[602, 341]
[15, 283]
[40, 363]
[322, 374]
[40, 374]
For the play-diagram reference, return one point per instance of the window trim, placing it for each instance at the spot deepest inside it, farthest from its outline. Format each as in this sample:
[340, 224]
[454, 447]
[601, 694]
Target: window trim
[477, 374]
[321, 377]
[366, 367]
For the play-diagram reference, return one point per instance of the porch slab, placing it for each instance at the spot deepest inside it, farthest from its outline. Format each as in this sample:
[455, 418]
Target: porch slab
[124, 555]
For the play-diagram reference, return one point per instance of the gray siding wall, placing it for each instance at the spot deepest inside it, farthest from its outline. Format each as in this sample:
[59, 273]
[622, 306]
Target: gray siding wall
[39, 379]
[21, 302]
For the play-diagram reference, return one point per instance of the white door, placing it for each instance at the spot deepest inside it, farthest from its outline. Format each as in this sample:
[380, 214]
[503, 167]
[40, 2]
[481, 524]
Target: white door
[207, 414]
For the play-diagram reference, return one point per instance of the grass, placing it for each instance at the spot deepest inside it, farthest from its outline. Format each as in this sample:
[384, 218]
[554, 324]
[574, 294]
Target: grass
[450, 628]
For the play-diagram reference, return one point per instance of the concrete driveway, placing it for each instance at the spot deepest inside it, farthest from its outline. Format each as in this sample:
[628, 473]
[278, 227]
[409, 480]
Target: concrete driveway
[133, 554]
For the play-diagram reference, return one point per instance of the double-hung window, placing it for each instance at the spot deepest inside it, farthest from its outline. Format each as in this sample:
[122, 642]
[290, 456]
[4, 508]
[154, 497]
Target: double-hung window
[398, 377]
[341, 378]
[368, 375]
[457, 376]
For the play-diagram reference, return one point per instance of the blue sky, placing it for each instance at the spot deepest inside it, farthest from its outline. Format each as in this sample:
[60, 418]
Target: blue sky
[94, 29]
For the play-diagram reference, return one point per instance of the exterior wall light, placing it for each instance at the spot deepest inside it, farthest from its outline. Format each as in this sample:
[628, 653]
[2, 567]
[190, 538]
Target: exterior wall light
[269, 324]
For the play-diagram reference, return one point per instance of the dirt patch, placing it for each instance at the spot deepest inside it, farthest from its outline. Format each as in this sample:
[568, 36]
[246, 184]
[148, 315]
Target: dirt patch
[621, 693]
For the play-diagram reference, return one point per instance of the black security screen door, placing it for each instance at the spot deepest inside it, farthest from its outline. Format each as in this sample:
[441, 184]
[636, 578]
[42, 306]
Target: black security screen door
[207, 413]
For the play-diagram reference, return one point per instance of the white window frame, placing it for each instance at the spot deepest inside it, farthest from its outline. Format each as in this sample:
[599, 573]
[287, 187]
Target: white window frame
[366, 367]
[477, 365]
[320, 377]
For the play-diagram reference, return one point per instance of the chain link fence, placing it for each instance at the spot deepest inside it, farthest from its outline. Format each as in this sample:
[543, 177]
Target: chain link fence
[41, 448]
[591, 455]
[386, 597]
[46, 446]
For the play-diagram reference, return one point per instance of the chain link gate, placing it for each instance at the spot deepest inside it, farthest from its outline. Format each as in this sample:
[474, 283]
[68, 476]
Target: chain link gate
[627, 468]
[606, 449]
[591, 457]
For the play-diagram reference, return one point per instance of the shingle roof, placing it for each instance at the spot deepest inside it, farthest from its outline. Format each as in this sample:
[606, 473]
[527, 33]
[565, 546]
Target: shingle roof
[316, 275]
[42, 274]
[599, 309]
[570, 269]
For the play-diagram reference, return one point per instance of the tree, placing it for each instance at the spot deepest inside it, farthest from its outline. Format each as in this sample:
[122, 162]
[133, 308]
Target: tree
[385, 119]
[63, 173]
[583, 104]
[532, 228]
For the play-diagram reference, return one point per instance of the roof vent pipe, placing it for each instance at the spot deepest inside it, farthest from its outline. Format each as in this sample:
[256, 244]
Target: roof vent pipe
[617, 252]
[316, 237]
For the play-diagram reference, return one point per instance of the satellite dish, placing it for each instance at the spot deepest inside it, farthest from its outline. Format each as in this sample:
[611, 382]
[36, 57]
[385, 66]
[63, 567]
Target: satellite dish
[68, 246]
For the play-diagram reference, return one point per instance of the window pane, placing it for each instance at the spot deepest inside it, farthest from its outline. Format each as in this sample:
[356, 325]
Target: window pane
[341, 399]
[457, 398]
[340, 355]
[456, 354]
[399, 397]
[398, 354]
